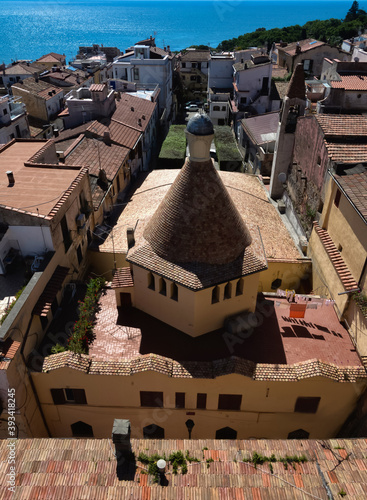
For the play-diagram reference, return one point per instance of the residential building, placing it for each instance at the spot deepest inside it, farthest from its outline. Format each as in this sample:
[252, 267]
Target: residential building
[216, 469]
[51, 60]
[252, 86]
[13, 119]
[220, 71]
[219, 108]
[110, 52]
[193, 67]
[256, 138]
[66, 78]
[46, 221]
[310, 53]
[17, 72]
[88, 103]
[147, 64]
[43, 101]
[345, 87]
[357, 42]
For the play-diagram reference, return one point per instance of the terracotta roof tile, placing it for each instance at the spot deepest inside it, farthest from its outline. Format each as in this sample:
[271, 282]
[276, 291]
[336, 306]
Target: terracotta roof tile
[40, 88]
[8, 349]
[122, 278]
[44, 303]
[342, 125]
[97, 154]
[350, 82]
[86, 468]
[336, 259]
[355, 187]
[347, 153]
[97, 87]
[119, 133]
[305, 45]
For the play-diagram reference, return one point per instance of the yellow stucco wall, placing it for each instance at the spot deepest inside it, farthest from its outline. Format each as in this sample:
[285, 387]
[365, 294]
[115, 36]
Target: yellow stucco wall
[267, 409]
[193, 312]
[294, 275]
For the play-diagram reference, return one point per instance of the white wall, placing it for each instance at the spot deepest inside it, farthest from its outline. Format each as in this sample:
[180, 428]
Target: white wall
[31, 239]
[220, 73]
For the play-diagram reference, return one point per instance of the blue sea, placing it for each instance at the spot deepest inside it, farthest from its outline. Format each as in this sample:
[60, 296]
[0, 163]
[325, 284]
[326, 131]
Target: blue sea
[30, 29]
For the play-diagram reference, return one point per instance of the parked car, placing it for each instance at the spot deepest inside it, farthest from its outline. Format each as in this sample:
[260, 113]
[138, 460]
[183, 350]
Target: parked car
[192, 107]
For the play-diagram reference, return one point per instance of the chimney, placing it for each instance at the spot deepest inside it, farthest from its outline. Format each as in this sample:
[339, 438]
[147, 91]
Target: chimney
[121, 439]
[168, 48]
[139, 122]
[107, 138]
[132, 109]
[130, 237]
[11, 179]
[36, 77]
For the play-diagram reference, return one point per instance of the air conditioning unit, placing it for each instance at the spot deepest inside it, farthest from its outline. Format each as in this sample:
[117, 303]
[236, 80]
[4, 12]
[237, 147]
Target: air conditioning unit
[80, 220]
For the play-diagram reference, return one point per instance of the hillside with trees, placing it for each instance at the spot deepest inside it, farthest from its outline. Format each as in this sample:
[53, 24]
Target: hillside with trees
[332, 31]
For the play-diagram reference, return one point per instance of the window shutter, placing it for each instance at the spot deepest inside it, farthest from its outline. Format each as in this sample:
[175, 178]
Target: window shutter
[79, 396]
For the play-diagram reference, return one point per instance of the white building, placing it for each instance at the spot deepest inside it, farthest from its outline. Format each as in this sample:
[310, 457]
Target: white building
[13, 119]
[252, 84]
[148, 65]
[219, 107]
[220, 72]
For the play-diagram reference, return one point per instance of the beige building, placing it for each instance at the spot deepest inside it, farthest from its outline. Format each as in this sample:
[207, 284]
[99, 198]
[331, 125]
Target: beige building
[182, 330]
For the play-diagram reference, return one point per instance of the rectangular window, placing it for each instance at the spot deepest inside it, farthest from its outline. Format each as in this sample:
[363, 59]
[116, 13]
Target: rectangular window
[151, 399]
[337, 198]
[136, 73]
[180, 400]
[229, 401]
[201, 401]
[307, 405]
[65, 233]
[68, 396]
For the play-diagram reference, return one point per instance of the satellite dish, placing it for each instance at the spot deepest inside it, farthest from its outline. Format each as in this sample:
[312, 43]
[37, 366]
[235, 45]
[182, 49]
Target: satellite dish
[282, 177]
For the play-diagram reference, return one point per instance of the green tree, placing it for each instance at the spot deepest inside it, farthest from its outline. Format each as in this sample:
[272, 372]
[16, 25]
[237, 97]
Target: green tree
[352, 12]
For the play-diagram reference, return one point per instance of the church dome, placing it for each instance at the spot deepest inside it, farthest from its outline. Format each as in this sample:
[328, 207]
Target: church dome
[200, 124]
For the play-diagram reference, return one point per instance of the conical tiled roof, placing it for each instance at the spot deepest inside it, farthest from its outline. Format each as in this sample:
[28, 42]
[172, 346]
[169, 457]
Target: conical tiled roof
[296, 86]
[197, 220]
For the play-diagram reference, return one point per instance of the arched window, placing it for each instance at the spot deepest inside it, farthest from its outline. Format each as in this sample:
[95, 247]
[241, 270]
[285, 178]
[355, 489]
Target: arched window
[174, 291]
[215, 295]
[226, 433]
[151, 281]
[81, 429]
[239, 287]
[162, 286]
[228, 291]
[299, 434]
[153, 431]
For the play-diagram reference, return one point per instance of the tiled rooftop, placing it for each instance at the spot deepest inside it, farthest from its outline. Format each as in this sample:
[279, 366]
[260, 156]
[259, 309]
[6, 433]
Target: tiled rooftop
[133, 111]
[305, 45]
[247, 193]
[195, 56]
[40, 88]
[8, 350]
[96, 154]
[76, 469]
[351, 82]
[355, 187]
[51, 57]
[280, 348]
[119, 133]
[347, 153]
[342, 125]
[43, 187]
[262, 128]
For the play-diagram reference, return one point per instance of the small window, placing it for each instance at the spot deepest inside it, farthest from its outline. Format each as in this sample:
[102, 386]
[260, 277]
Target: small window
[81, 429]
[162, 286]
[216, 108]
[215, 295]
[307, 405]
[340, 248]
[226, 433]
[136, 73]
[229, 401]
[239, 287]
[68, 396]
[223, 108]
[151, 281]
[337, 198]
[79, 254]
[174, 291]
[193, 65]
[153, 431]
[151, 399]
[276, 284]
[228, 291]
[299, 434]
[201, 401]
[180, 400]
[183, 65]
[5, 111]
